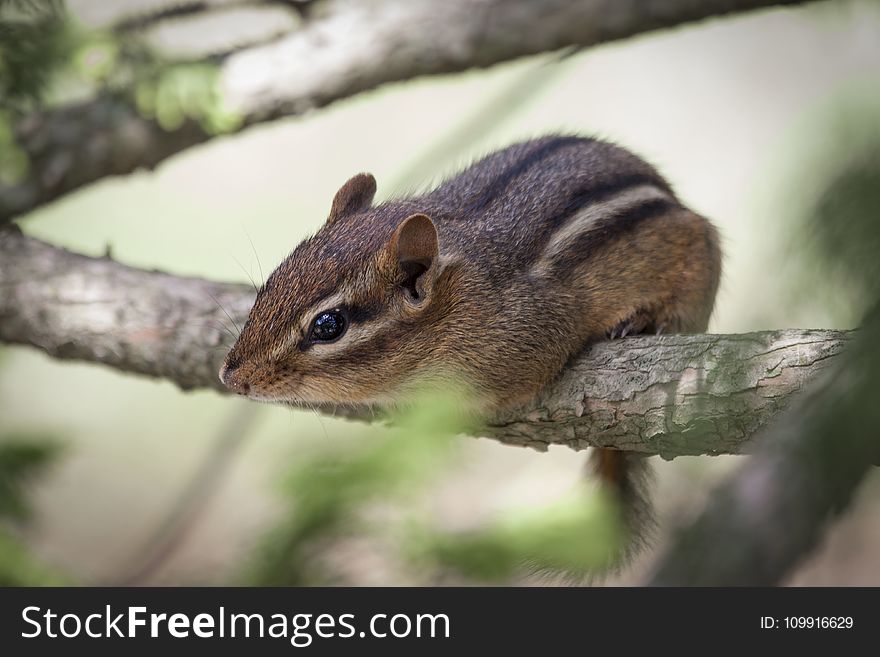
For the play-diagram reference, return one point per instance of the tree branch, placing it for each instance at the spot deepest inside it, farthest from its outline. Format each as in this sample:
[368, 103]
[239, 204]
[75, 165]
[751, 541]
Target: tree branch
[670, 395]
[95, 309]
[343, 49]
[71, 147]
[810, 460]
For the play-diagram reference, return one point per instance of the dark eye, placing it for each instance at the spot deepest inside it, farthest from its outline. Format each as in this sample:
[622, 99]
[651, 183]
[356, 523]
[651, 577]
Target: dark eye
[328, 326]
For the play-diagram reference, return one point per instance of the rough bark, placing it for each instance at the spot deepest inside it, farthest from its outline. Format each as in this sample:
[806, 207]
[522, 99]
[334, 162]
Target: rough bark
[673, 395]
[351, 47]
[669, 395]
[95, 309]
[809, 461]
[341, 49]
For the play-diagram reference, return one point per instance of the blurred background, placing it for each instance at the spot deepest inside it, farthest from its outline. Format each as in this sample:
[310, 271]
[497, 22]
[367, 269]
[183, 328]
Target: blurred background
[752, 118]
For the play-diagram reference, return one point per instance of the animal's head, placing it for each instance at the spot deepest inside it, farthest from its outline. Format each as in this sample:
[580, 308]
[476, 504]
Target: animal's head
[345, 318]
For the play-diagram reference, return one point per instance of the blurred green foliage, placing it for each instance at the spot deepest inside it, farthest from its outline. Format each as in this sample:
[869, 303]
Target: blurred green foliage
[327, 492]
[18, 567]
[578, 536]
[34, 41]
[325, 489]
[45, 57]
[22, 458]
[14, 163]
[834, 232]
[844, 224]
[186, 91]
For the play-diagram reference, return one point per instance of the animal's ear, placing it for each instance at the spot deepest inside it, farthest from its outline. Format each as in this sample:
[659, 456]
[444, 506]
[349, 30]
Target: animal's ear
[415, 251]
[355, 195]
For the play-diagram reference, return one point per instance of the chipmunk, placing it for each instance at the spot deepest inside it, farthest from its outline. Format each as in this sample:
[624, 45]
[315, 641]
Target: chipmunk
[498, 277]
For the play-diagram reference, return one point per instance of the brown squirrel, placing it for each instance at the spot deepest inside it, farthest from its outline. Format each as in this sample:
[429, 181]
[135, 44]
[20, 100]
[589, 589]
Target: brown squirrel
[498, 277]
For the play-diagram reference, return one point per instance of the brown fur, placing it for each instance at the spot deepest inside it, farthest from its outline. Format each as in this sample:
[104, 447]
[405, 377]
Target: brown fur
[498, 277]
[483, 314]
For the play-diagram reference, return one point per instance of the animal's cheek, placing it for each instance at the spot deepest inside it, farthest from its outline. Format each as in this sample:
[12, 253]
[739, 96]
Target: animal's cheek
[258, 376]
[285, 368]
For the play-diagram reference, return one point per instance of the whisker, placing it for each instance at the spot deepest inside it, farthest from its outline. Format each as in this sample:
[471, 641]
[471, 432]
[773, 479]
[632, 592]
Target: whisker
[246, 273]
[213, 324]
[321, 422]
[228, 316]
[256, 255]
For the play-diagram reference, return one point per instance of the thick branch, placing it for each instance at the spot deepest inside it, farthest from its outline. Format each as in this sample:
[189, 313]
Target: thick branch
[77, 145]
[95, 309]
[669, 395]
[673, 395]
[771, 513]
[357, 46]
[346, 48]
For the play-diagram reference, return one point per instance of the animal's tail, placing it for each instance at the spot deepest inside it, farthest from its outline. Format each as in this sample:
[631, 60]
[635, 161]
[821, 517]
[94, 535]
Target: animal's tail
[628, 477]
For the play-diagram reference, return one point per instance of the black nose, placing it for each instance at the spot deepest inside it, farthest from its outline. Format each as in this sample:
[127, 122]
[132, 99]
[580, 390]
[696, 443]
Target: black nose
[233, 380]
